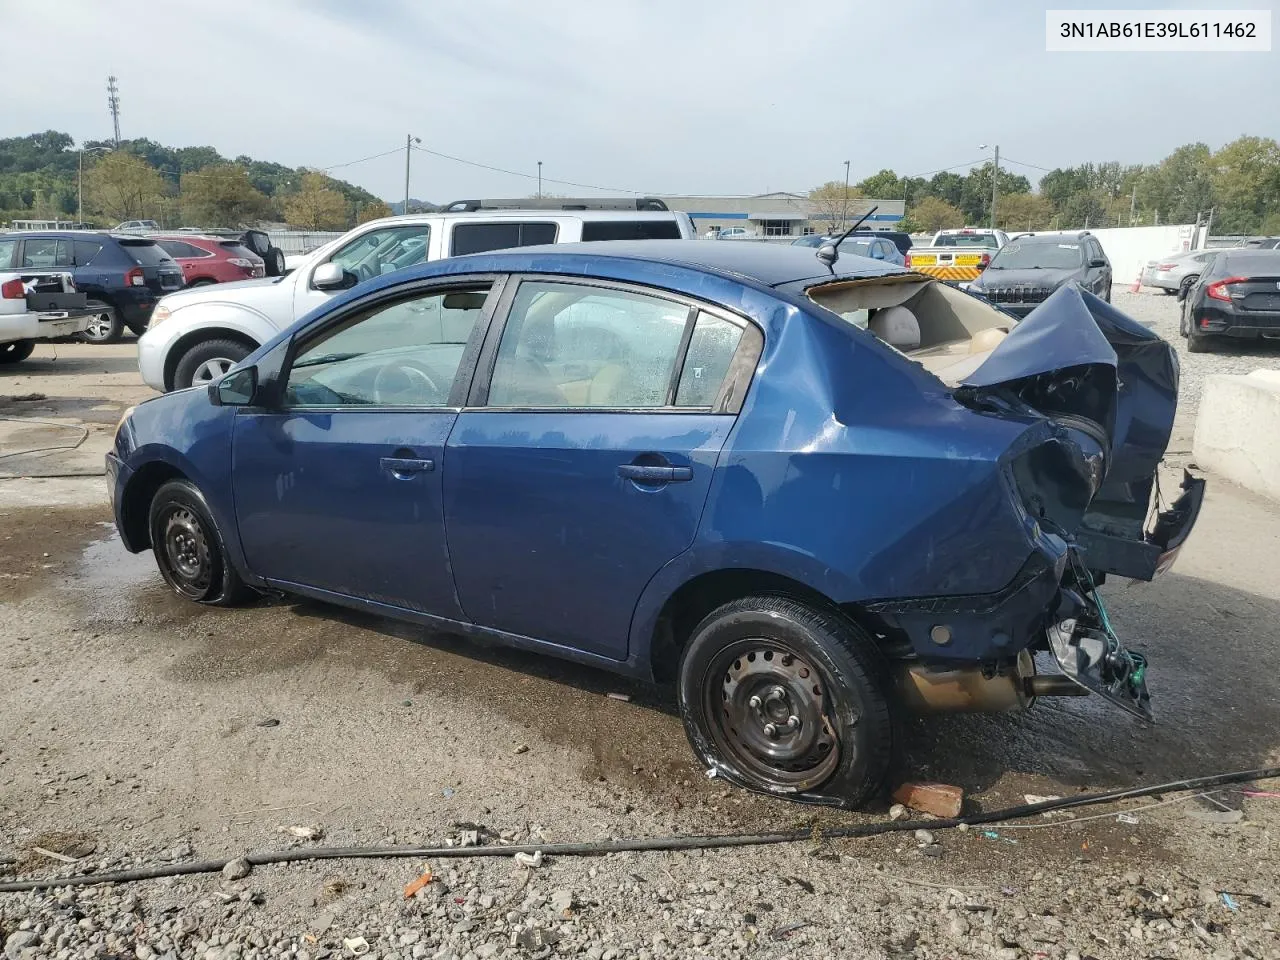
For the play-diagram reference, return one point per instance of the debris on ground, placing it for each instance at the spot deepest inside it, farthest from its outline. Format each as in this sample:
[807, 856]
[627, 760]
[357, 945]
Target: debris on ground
[237, 869]
[624, 697]
[268, 722]
[303, 833]
[413, 887]
[898, 812]
[358, 946]
[939, 799]
[1220, 817]
[531, 860]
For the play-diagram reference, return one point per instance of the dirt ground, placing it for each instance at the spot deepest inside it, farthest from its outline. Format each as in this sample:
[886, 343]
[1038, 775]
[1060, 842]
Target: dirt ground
[139, 728]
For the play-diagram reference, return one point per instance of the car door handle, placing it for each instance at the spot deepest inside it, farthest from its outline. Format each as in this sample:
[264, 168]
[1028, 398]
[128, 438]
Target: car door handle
[403, 467]
[644, 473]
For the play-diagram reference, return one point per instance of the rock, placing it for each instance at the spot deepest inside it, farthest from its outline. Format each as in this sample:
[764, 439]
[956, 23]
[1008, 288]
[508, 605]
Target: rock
[486, 950]
[924, 836]
[1008, 953]
[561, 900]
[701, 939]
[939, 799]
[236, 869]
[897, 812]
[523, 748]
[1133, 878]
[17, 942]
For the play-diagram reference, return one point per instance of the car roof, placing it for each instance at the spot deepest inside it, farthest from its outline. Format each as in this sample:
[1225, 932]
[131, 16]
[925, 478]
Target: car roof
[504, 216]
[768, 264]
[1247, 255]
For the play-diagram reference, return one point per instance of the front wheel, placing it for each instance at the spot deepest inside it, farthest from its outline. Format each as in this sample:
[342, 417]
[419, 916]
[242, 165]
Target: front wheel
[15, 351]
[189, 550]
[207, 361]
[789, 700]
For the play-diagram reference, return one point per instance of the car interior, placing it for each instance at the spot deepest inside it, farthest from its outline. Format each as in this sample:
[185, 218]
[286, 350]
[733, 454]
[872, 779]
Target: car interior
[945, 330]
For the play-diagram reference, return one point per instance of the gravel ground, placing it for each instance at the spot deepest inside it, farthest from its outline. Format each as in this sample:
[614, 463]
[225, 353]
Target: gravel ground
[142, 730]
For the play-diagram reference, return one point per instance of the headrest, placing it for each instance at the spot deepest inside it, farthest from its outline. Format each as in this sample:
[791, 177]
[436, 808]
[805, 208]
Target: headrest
[896, 326]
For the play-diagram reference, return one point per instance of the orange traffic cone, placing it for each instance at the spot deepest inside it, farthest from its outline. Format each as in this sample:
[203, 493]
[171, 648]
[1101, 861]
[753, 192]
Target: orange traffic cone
[1137, 283]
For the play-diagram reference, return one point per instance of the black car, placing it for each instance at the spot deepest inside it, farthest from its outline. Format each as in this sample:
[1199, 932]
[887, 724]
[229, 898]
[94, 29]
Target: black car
[1025, 271]
[1237, 295]
[123, 275]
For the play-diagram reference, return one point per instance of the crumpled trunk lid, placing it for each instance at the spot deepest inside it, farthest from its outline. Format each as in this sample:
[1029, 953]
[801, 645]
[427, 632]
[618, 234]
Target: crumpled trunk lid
[1111, 385]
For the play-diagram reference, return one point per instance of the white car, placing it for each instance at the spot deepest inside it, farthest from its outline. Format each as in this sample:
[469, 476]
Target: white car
[197, 335]
[736, 233]
[36, 305]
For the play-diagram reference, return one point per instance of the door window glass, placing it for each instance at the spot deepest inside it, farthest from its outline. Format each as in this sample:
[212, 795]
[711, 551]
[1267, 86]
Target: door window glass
[404, 354]
[711, 350]
[481, 237]
[384, 251]
[577, 346]
[45, 252]
[7, 247]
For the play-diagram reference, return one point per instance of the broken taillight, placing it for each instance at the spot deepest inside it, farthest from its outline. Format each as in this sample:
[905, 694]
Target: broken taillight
[1218, 289]
[906, 260]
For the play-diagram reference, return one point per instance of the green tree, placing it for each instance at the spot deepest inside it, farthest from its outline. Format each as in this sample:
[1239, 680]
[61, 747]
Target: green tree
[317, 205]
[885, 185]
[1084, 210]
[1246, 183]
[975, 192]
[1023, 211]
[831, 202]
[1180, 187]
[931, 214]
[373, 211]
[122, 186]
[221, 196]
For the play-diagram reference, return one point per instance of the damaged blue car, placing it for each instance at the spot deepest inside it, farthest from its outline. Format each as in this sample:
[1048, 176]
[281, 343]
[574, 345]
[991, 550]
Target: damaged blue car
[810, 491]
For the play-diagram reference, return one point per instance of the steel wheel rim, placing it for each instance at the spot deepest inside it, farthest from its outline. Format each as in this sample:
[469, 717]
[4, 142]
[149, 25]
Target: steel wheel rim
[99, 327]
[770, 714]
[211, 369]
[186, 552]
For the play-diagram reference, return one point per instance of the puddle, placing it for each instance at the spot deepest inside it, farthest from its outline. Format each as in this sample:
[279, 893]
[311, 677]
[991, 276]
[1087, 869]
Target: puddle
[125, 587]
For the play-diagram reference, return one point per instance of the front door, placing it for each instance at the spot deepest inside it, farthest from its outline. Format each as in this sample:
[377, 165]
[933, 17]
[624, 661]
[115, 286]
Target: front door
[583, 464]
[373, 253]
[340, 489]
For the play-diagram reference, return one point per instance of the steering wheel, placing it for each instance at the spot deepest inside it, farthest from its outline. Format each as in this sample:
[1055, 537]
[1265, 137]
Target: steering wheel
[386, 390]
[365, 272]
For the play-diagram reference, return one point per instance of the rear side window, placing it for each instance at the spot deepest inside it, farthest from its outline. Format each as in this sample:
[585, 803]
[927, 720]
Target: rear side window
[85, 251]
[147, 253]
[630, 230]
[236, 249]
[7, 248]
[711, 349]
[482, 237]
[177, 248]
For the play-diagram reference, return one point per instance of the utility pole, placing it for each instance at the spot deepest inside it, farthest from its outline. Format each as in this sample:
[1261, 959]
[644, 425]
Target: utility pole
[409, 141]
[1133, 204]
[539, 179]
[844, 211]
[995, 186]
[113, 101]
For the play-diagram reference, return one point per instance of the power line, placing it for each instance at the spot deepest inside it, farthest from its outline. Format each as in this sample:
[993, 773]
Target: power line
[527, 176]
[1023, 163]
[954, 166]
[352, 163]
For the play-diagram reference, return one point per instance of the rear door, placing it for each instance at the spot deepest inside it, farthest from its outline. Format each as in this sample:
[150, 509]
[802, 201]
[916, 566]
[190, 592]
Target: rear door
[582, 462]
[338, 488]
[468, 237]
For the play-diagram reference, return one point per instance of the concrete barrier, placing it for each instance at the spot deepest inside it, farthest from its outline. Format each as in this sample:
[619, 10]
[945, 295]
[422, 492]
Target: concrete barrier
[1238, 430]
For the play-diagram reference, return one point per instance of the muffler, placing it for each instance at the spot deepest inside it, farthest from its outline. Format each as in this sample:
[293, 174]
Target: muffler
[1006, 687]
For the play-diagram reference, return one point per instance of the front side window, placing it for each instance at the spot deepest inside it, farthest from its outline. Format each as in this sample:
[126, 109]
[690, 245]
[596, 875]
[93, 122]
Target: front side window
[482, 237]
[384, 251]
[46, 252]
[567, 345]
[404, 354]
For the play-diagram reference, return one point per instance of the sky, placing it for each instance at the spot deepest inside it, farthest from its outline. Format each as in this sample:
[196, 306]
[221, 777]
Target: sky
[651, 96]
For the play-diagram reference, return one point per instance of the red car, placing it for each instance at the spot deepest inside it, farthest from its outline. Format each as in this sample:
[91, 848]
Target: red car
[212, 260]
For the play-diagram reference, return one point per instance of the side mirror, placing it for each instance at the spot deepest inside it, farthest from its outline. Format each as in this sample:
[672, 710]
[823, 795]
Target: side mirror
[331, 276]
[236, 389]
[1097, 262]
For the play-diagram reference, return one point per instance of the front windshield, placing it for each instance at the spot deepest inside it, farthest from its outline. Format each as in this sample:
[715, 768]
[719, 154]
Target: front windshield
[1038, 255]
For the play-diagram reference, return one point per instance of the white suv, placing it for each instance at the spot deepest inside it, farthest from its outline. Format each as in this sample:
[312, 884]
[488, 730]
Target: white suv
[197, 335]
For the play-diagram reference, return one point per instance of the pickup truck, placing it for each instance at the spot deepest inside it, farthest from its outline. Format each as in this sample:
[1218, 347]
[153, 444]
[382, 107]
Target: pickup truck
[958, 255]
[37, 305]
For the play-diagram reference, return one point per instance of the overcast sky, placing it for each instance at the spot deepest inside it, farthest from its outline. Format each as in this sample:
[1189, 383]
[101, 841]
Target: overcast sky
[660, 96]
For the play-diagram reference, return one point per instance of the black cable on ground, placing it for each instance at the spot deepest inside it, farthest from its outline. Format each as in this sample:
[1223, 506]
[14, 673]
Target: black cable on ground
[641, 844]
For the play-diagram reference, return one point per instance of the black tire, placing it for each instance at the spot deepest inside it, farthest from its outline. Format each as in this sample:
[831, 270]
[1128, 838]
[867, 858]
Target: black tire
[104, 326]
[200, 363]
[15, 351]
[1199, 343]
[1183, 326]
[275, 257]
[189, 548]
[752, 664]
[1184, 288]
[202, 282]
[1167, 292]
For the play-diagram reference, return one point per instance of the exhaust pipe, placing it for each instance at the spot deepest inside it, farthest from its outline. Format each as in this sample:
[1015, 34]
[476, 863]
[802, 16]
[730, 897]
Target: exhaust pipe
[1011, 686]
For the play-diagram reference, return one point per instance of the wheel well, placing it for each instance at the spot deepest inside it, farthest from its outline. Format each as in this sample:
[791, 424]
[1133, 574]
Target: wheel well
[137, 501]
[686, 608]
[186, 342]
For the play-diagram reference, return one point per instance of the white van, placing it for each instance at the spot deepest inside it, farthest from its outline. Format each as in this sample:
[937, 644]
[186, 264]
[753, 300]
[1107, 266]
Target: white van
[197, 335]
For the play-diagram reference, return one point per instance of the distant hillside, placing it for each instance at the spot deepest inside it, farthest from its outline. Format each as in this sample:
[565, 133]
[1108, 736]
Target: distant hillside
[38, 179]
[415, 206]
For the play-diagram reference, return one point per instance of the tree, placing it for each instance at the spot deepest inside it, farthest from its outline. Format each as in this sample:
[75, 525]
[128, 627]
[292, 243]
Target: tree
[1084, 210]
[373, 211]
[885, 185]
[316, 206]
[975, 192]
[221, 196]
[1023, 211]
[1246, 182]
[931, 214]
[122, 186]
[1180, 187]
[830, 202]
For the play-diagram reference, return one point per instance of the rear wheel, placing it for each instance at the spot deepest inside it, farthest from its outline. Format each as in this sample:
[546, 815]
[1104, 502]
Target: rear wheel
[207, 361]
[787, 699]
[15, 351]
[202, 282]
[189, 549]
[104, 325]
[1198, 342]
[277, 261]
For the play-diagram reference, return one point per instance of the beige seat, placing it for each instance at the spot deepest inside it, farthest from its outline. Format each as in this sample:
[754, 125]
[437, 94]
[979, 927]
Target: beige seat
[984, 341]
[896, 326]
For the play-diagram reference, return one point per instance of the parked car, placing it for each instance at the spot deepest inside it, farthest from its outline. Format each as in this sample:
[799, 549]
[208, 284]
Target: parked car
[135, 226]
[199, 334]
[1177, 271]
[122, 275]
[901, 241]
[959, 254]
[858, 245]
[653, 458]
[1262, 243]
[1238, 295]
[735, 233]
[35, 304]
[206, 260]
[1024, 272]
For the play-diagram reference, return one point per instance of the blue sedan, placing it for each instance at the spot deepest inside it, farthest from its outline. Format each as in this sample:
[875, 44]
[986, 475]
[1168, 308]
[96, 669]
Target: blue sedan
[809, 495]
